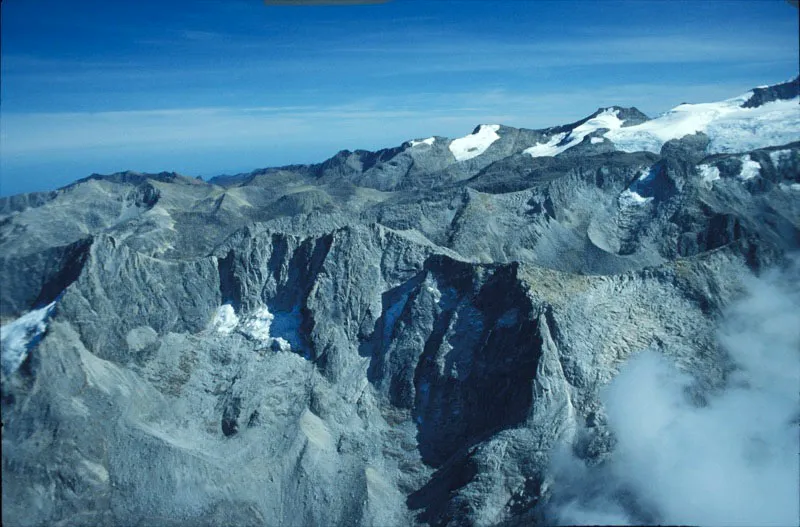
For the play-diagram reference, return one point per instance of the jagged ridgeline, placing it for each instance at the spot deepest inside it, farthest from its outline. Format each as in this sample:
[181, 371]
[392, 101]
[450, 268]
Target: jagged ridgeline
[386, 338]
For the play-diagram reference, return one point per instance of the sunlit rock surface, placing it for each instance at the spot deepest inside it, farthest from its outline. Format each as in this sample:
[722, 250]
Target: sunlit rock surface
[387, 338]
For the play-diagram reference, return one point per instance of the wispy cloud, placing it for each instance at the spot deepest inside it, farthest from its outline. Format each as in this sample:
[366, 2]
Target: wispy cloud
[422, 50]
[604, 49]
[364, 120]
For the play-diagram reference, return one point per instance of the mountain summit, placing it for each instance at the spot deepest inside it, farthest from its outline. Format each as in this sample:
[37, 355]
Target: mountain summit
[446, 332]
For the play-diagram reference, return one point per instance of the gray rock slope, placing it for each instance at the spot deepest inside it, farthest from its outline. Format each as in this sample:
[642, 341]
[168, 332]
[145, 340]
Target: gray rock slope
[386, 338]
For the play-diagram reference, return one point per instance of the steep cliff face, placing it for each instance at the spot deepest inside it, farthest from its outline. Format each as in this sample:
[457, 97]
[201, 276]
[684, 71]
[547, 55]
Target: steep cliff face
[386, 338]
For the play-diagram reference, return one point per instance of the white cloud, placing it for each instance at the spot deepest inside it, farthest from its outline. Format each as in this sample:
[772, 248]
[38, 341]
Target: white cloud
[731, 462]
[17, 337]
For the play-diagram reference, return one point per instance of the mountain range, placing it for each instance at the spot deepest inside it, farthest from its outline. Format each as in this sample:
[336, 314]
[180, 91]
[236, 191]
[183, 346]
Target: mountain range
[409, 336]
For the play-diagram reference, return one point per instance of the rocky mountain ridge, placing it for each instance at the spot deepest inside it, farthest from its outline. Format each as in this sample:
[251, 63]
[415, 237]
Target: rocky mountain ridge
[385, 338]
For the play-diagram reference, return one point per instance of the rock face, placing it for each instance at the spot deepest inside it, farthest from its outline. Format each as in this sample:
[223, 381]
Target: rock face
[765, 94]
[386, 338]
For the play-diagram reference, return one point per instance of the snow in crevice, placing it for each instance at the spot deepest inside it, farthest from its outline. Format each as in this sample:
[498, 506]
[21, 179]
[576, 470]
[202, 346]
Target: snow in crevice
[550, 148]
[631, 198]
[750, 168]
[225, 319]
[633, 195]
[20, 336]
[429, 141]
[730, 127]
[646, 178]
[708, 174]
[780, 157]
[644, 183]
[259, 325]
[606, 120]
[431, 287]
[476, 143]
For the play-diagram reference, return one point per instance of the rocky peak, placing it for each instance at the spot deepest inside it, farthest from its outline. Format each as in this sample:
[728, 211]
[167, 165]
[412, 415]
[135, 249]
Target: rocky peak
[777, 92]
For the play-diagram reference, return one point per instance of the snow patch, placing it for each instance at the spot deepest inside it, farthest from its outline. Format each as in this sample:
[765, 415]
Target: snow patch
[476, 143]
[708, 173]
[260, 325]
[429, 141]
[281, 344]
[780, 157]
[607, 119]
[630, 198]
[640, 191]
[225, 319]
[20, 336]
[596, 140]
[257, 324]
[750, 168]
[434, 291]
[646, 177]
[550, 148]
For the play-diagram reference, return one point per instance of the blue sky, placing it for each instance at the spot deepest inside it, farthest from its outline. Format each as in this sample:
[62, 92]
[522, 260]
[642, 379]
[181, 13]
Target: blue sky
[212, 87]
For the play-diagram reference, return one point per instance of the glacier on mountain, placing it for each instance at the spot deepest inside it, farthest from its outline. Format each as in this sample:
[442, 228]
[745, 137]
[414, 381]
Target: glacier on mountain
[729, 126]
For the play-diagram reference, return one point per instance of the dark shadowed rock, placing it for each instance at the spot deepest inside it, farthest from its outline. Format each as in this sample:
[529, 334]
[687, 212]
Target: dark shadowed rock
[765, 94]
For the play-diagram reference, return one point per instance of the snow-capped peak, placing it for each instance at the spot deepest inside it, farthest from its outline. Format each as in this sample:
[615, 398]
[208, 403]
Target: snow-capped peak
[476, 143]
[756, 119]
[606, 118]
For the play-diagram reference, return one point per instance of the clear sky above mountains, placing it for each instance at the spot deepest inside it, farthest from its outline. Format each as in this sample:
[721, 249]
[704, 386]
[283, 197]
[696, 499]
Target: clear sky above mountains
[211, 87]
